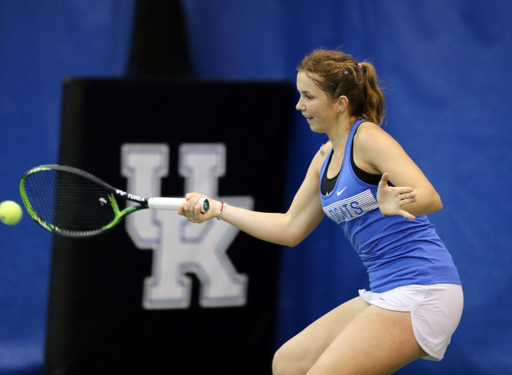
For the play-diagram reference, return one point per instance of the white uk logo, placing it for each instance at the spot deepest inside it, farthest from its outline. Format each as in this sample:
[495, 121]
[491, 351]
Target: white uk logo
[180, 247]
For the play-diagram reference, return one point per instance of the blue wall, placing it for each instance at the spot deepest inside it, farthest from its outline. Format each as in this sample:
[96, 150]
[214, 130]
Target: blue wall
[41, 42]
[446, 71]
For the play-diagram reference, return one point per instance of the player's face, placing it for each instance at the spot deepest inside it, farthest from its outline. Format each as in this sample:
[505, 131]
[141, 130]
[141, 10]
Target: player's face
[315, 105]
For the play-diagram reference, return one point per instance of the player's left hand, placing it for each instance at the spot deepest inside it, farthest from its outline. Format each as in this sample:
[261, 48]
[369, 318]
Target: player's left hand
[391, 199]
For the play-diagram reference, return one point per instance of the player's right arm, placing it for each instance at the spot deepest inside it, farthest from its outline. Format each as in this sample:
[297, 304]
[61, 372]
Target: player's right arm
[289, 229]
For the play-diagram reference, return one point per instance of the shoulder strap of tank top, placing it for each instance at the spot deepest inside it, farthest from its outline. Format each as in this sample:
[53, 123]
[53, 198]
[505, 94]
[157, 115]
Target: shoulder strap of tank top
[348, 146]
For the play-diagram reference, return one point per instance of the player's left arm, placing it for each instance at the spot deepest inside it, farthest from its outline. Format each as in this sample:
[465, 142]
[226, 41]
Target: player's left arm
[380, 153]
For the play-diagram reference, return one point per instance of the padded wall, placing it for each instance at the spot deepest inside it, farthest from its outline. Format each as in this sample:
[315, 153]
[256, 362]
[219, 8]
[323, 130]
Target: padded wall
[157, 295]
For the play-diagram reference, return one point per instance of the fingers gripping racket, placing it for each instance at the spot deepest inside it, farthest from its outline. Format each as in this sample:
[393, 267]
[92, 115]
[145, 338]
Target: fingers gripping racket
[73, 203]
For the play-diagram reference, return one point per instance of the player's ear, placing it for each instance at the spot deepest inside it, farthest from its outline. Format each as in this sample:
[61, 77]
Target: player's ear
[341, 104]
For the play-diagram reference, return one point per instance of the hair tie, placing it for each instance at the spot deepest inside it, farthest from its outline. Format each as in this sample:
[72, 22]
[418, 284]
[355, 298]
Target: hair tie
[360, 65]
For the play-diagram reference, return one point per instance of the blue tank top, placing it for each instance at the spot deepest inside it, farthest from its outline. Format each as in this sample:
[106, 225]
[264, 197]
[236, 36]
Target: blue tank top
[395, 251]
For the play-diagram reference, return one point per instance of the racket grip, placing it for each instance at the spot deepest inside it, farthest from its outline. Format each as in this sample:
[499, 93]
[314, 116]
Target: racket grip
[160, 203]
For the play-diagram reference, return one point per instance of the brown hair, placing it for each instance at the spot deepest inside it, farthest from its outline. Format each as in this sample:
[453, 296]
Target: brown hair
[337, 74]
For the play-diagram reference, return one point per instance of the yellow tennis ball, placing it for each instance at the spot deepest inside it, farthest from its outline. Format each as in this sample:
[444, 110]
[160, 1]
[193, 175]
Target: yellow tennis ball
[10, 212]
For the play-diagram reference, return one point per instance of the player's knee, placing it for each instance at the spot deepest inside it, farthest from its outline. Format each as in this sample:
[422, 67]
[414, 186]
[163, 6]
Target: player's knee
[279, 362]
[285, 362]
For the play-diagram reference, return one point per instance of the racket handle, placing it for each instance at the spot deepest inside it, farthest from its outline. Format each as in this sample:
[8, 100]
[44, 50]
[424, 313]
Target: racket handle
[173, 203]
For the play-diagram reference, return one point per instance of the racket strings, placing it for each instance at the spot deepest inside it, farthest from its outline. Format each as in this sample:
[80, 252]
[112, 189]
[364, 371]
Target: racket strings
[69, 201]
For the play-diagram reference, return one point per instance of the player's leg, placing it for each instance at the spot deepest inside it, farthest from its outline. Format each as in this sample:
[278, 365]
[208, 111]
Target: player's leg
[298, 354]
[376, 342]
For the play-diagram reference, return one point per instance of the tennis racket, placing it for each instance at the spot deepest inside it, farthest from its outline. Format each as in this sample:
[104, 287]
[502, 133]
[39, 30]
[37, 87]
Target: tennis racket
[73, 203]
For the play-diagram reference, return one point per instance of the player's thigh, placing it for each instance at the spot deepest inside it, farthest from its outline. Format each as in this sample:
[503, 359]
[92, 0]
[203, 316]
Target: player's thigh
[298, 354]
[378, 342]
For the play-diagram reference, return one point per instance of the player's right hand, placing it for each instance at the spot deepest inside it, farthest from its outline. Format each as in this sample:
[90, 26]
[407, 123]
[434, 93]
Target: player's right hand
[191, 209]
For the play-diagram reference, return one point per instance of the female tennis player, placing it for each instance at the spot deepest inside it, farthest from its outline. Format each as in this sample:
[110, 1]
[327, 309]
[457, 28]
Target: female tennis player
[365, 182]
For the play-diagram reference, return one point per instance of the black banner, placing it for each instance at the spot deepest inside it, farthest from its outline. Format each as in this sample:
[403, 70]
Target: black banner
[143, 299]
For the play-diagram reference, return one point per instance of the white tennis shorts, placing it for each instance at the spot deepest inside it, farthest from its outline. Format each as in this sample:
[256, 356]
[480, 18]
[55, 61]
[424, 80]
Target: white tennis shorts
[435, 312]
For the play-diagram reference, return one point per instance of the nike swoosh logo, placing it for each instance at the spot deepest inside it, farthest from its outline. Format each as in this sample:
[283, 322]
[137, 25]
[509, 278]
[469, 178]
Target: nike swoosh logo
[339, 192]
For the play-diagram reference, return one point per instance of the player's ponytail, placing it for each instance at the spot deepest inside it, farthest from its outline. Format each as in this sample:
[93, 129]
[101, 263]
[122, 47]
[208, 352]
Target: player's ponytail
[374, 106]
